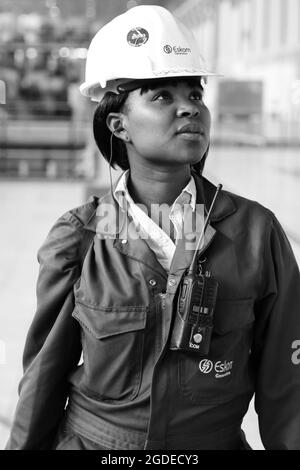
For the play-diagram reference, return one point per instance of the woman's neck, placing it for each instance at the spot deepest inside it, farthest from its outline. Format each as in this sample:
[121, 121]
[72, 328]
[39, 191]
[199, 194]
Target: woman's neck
[157, 186]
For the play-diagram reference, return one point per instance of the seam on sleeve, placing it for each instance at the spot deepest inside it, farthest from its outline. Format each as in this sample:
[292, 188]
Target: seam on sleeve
[70, 217]
[85, 237]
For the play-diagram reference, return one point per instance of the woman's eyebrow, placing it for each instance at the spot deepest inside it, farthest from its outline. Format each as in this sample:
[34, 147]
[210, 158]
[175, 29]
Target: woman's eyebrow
[165, 86]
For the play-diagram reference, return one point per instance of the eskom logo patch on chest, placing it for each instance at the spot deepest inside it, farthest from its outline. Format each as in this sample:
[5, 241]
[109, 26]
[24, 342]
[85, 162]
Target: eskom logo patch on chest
[220, 368]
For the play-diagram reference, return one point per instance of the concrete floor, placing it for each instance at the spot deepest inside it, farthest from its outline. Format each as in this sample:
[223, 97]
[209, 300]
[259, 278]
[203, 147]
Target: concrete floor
[28, 210]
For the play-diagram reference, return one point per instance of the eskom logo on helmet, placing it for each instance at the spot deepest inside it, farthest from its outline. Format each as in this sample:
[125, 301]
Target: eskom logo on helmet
[137, 37]
[176, 49]
[167, 49]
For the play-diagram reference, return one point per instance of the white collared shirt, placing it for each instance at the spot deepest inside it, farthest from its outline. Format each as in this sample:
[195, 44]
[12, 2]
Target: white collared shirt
[157, 239]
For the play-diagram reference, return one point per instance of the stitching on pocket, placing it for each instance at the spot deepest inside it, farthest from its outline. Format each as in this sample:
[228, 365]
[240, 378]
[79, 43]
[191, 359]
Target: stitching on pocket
[103, 323]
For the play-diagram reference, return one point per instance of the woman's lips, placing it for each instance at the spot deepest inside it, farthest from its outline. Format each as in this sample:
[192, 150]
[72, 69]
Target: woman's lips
[190, 132]
[190, 136]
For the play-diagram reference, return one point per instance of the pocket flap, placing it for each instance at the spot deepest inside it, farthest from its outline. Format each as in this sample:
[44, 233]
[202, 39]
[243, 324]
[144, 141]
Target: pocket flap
[233, 314]
[109, 321]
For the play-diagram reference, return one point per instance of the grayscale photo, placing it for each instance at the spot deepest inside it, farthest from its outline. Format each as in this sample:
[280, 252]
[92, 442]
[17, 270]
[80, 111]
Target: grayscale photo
[150, 235]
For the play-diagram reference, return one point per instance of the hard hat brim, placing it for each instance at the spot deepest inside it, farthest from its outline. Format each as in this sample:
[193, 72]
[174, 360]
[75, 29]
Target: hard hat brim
[95, 91]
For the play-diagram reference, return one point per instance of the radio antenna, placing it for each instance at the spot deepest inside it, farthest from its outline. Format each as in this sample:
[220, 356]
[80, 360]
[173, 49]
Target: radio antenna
[193, 263]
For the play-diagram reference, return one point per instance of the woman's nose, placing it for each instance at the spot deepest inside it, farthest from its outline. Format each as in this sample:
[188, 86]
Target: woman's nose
[187, 109]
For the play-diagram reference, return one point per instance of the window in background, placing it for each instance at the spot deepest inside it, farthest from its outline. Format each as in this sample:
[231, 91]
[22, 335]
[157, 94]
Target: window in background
[284, 9]
[266, 24]
[253, 26]
[298, 23]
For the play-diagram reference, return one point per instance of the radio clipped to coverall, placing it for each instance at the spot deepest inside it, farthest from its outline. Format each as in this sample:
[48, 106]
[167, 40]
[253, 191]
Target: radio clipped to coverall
[193, 324]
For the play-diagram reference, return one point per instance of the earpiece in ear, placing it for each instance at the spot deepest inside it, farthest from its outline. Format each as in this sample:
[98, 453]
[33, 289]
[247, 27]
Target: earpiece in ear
[118, 130]
[125, 135]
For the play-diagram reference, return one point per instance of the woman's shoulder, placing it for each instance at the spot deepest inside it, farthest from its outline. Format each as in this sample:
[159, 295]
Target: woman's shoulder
[252, 217]
[233, 204]
[67, 238]
[250, 206]
[80, 215]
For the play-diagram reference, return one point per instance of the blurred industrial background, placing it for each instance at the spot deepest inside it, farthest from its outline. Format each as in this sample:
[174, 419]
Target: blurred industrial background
[49, 162]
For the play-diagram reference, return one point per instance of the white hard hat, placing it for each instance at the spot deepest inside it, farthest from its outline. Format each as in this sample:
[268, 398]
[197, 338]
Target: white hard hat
[146, 42]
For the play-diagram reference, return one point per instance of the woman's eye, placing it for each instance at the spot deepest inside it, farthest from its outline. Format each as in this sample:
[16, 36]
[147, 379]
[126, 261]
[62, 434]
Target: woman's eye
[196, 95]
[163, 95]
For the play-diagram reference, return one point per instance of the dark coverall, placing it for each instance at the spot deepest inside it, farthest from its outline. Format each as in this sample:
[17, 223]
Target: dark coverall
[132, 391]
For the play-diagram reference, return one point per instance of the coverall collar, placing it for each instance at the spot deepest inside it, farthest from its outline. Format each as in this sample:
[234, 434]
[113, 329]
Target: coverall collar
[224, 205]
[138, 249]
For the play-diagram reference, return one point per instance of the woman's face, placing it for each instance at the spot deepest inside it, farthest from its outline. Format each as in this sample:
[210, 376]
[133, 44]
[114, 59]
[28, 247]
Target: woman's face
[168, 125]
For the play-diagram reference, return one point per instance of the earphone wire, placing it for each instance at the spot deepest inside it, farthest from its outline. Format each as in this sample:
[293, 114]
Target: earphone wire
[109, 164]
[110, 178]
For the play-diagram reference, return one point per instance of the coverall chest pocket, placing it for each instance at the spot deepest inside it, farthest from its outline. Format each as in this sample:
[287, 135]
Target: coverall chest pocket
[112, 342]
[224, 372]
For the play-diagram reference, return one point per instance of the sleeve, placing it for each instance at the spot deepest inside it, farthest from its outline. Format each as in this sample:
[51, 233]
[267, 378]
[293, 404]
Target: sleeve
[52, 347]
[277, 331]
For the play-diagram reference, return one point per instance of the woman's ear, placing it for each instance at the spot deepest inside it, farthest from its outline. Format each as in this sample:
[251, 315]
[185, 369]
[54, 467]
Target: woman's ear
[115, 122]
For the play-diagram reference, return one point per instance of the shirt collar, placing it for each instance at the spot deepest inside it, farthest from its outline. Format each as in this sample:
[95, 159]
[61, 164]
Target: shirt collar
[121, 192]
[187, 195]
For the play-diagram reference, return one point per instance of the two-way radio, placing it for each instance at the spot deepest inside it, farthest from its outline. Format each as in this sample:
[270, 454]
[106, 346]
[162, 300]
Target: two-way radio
[193, 323]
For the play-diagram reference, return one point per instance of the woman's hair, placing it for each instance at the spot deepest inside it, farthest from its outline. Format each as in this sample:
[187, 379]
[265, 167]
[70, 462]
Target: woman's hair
[112, 148]
[109, 145]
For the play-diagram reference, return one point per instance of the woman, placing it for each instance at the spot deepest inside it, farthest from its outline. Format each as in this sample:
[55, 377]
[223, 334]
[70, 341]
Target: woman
[116, 296]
